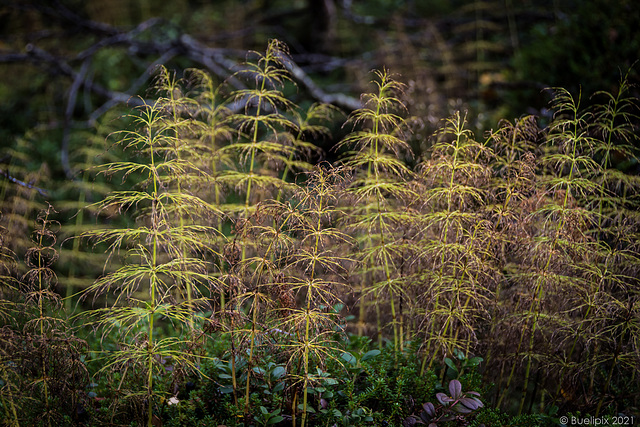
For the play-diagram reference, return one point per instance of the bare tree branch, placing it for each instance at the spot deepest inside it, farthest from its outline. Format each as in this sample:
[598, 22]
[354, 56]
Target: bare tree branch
[339, 99]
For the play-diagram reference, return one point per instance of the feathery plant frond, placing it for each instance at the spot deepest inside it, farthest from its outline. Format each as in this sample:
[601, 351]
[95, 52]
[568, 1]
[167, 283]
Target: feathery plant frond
[457, 270]
[179, 121]
[380, 191]
[615, 126]
[318, 270]
[261, 121]
[161, 279]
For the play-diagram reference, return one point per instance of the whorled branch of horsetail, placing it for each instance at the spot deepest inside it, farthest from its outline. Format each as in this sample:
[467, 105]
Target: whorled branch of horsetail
[157, 202]
[269, 75]
[315, 257]
[377, 148]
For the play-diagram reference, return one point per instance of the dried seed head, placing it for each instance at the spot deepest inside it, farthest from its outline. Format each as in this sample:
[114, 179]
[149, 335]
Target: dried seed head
[212, 325]
[232, 253]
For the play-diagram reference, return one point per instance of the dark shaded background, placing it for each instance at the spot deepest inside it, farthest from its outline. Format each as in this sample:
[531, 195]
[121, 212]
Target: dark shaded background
[64, 64]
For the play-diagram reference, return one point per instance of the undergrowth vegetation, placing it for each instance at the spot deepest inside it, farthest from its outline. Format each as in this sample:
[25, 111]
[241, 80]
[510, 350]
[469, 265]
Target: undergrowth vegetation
[246, 282]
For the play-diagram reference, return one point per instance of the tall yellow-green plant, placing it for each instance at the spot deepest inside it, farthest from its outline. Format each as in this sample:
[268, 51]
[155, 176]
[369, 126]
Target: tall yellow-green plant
[260, 123]
[212, 129]
[159, 271]
[457, 277]
[374, 156]
[179, 111]
[315, 275]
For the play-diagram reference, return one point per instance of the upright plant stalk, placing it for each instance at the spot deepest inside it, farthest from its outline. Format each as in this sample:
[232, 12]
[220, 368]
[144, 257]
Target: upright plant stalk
[315, 273]
[40, 278]
[263, 117]
[376, 149]
[453, 235]
[157, 249]
[260, 123]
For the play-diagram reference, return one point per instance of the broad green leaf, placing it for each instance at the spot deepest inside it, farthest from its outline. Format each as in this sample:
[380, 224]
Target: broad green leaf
[370, 354]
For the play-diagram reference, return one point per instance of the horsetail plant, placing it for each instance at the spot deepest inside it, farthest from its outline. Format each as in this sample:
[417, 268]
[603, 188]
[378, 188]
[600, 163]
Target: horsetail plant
[316, 275]
[44, 352]
[608, 316]
[379, 187]
[514, 191]
[212, 129]
[260, 121]
[152, 287]
[568, 168]
[619, 264]
[457, 276]
[178, 111]
[257, 275]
